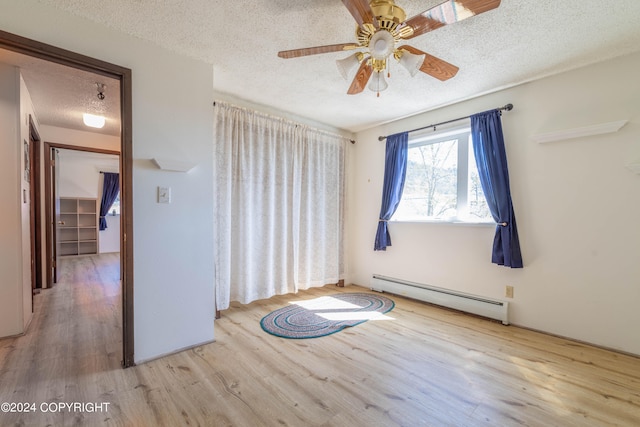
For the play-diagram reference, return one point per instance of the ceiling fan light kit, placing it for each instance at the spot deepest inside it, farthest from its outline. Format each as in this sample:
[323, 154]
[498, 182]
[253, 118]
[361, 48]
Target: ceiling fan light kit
[378, 83]
[381, 45]
[349, 63]
[381, 26]
[411, 62]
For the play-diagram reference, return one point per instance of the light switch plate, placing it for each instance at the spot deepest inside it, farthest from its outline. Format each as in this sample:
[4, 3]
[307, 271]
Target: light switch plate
[164, 194]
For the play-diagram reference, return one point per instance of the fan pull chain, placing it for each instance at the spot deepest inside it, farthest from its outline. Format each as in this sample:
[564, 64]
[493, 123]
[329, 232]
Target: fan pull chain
[388, 75]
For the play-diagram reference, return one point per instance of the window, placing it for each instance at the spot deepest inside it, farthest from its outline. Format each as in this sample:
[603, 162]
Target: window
[115, 207]
[442, 182]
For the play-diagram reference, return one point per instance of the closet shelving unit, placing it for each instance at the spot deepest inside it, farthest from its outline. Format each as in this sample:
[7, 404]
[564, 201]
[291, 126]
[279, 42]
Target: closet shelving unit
[78, 226]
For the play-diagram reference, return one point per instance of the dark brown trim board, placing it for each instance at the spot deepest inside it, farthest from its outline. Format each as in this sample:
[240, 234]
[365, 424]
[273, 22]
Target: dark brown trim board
[48, 217]
[35, 211]
[82, 148]
[50, 196]
[61, 56]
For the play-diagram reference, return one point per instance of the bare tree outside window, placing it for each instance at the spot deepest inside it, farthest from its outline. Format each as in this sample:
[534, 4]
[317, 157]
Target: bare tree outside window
[430, 184]
[442, 182]
[115, 207]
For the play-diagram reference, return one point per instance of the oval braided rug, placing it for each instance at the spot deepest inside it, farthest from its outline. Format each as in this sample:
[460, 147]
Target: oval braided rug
[325, 315]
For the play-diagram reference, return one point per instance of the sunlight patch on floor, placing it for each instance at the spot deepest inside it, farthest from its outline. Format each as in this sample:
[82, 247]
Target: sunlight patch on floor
[338, 310]
[354, 315]
[325, 303]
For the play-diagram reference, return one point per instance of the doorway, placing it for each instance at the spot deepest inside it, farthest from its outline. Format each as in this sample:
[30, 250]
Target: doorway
[53, 54]
[75, 173]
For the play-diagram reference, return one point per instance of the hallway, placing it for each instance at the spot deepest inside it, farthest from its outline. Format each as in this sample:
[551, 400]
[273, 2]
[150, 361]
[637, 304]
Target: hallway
[75, 335]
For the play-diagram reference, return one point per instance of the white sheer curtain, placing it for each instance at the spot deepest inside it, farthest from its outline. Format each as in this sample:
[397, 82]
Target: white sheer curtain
[279, 206]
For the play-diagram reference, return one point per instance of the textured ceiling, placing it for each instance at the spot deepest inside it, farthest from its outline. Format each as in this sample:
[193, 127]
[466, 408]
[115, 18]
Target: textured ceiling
[520, 41]
[61, 94]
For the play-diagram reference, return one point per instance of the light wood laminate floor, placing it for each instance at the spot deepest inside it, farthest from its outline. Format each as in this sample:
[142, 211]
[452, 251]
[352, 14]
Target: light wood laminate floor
[424, 367]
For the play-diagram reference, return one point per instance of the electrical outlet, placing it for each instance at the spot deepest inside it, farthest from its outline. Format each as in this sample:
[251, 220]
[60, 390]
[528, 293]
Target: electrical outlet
[508, 292]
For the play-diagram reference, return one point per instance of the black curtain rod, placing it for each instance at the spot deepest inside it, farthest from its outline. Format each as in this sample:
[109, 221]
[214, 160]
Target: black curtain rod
[507, 107]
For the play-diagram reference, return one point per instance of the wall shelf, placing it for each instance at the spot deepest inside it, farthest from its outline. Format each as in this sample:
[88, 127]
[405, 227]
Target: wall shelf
[634, 167]
[561, 135]
[173, 165]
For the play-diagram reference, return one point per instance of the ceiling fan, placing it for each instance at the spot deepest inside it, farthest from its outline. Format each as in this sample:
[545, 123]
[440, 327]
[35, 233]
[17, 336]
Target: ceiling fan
[382, 27]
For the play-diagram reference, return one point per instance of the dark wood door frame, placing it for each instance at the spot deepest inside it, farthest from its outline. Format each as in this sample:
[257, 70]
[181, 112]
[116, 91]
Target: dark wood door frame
[34, 210]
[61, 56]
[49, 187]
[35, 257]
[52, 208]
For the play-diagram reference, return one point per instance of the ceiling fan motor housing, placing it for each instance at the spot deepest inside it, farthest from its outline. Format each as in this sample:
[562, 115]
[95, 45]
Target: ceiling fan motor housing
[389, 16]
[381, 41]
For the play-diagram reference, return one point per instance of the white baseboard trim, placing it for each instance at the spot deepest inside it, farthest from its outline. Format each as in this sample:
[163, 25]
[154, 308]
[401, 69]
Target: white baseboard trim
[180, 350]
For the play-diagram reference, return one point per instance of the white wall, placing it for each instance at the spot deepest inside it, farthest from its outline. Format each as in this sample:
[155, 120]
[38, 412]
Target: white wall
[15, 231]
[78, 176]
[11, 301]
[26, 110]
[79, 138]
[576, 205]
[110, 238]
[172, 105]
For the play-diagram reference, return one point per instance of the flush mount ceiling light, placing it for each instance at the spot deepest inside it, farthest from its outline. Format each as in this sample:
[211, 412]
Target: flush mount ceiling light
[381, 26]
[93, 121]
[96, 120]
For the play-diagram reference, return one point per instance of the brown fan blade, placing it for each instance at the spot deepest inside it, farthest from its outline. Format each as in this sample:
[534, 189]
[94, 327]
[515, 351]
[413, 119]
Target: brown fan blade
[296, 53]
[360, 80]
[447, 13]
[433, 66]
[361, 12]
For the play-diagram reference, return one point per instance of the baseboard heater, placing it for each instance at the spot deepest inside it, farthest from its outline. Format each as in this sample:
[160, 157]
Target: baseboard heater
[493, 309]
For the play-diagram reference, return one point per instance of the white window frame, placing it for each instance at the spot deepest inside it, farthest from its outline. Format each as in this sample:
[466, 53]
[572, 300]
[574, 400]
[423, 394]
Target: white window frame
[463, 136]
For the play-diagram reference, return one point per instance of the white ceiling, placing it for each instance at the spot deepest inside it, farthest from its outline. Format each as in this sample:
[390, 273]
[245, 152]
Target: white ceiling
[61, 94]
[520, 41]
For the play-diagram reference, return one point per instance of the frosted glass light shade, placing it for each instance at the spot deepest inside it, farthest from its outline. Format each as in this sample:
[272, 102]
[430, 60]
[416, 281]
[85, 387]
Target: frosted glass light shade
[411, 62]
[381, 44]
[378, 83]
[347, 64]
[93, 120]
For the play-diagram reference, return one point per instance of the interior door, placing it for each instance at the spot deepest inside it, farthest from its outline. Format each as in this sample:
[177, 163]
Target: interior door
[55, 176]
